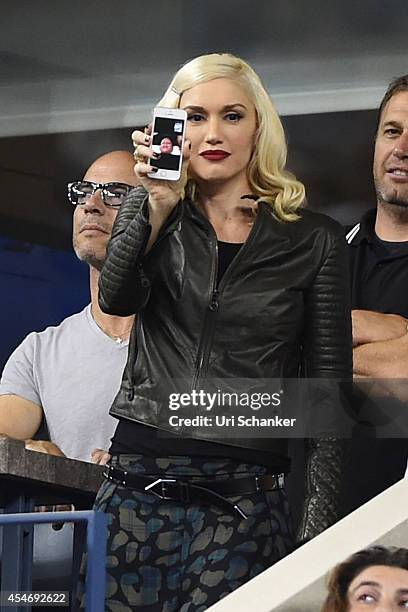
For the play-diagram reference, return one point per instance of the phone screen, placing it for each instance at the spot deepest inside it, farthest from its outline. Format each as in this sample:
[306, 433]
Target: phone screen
[167, 140]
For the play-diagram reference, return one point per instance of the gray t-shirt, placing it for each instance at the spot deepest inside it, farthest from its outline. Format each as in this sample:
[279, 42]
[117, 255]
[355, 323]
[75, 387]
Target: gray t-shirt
[73, 371]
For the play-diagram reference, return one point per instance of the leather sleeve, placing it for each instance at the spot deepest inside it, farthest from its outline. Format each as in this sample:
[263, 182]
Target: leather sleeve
[123, 285]
[327, 342]
[323, 487]
[328, 355]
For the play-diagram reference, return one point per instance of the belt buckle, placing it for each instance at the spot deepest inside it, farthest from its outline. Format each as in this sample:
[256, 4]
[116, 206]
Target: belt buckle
[109, 473]
[162, 482]
[107, 470]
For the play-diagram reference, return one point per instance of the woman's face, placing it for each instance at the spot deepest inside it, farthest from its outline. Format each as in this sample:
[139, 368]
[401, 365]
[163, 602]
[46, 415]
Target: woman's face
[166, 146]
[379, 588]
[221, 126]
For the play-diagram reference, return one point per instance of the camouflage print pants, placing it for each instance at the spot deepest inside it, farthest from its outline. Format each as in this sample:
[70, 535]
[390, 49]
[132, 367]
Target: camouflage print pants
[165, 556]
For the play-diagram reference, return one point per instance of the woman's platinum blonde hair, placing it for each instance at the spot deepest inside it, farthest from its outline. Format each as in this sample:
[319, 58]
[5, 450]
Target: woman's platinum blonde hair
[267, 176]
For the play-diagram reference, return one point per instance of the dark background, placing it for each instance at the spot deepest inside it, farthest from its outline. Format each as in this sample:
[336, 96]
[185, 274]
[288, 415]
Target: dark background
[77, 77]
[40, 277]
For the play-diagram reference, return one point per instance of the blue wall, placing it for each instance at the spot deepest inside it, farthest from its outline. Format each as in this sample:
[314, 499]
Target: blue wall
[40, 286]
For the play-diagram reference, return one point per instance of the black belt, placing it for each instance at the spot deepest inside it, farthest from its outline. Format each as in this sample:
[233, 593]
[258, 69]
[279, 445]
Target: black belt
[207, 491]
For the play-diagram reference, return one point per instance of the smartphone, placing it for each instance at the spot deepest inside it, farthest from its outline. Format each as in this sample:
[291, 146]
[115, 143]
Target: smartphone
[168, 130]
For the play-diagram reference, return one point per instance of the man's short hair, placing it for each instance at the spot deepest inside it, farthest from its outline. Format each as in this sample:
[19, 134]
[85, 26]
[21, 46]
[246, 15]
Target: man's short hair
[396, 86]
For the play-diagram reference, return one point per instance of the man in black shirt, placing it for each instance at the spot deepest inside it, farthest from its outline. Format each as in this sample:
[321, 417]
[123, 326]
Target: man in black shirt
[379, 274]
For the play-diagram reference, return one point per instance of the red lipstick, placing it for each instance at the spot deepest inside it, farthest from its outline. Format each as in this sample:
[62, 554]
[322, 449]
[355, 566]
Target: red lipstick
[215, 154]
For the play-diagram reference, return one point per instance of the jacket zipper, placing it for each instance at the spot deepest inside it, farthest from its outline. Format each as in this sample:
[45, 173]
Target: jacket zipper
[207, 331]
[133, 347]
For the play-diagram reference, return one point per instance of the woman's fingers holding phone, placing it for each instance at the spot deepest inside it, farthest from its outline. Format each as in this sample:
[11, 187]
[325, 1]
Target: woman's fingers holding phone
[142, 169]
[164, 193]
[143, 153]
[139, 137]
[141, 143]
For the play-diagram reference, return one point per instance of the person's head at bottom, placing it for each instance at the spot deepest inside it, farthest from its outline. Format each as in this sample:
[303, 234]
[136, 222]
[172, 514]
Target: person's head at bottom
[374, 579]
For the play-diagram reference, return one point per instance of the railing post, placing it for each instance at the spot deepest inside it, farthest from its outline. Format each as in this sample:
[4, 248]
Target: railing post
[17, 549]
[96, 547]
[96, 566]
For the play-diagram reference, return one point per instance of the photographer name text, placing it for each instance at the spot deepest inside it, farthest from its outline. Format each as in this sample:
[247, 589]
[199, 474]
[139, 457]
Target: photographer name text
[230, 421]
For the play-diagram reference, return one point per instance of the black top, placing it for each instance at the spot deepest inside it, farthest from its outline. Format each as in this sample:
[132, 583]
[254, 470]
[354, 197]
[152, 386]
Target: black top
[379, 270]
[133, 437]
[379, 280]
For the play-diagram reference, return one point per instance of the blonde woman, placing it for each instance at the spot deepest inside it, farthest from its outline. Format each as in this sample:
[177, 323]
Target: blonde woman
[230, 279]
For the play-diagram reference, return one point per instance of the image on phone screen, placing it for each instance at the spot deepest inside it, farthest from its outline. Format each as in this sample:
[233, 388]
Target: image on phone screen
[167, 140]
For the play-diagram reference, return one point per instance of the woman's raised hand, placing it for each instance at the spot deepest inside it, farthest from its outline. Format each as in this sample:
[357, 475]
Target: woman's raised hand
[163, 195]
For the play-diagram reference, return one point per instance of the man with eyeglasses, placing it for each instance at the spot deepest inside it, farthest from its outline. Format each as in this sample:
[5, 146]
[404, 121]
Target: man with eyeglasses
[70, 373]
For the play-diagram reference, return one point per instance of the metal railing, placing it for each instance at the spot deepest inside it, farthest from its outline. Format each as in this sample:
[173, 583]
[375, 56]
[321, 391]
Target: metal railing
[96, 537]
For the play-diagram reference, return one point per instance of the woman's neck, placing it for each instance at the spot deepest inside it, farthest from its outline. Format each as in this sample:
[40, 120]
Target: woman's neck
[224, 202]
[231, 216]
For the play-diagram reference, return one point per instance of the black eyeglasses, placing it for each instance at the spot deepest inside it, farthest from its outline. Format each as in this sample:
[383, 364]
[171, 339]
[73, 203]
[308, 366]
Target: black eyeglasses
[112, 194]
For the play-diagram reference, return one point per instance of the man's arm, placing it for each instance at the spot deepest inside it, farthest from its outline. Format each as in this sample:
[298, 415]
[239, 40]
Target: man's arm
[44, 446]
[370, 326]
[20, 397]
[387, 362]
[380, 345]
[19, 418]
[384, 359]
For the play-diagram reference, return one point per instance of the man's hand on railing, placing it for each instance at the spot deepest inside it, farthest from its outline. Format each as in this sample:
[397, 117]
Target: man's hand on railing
[42, 446]
[100, 456]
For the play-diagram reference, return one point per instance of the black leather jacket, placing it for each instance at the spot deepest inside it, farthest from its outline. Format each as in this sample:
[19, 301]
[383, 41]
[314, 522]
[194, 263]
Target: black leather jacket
[281, 306]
